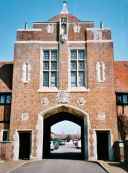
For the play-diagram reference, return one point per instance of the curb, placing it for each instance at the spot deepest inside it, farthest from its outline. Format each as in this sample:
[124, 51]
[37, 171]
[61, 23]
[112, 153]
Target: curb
[20, 165]
[102, 166]
[13, 169]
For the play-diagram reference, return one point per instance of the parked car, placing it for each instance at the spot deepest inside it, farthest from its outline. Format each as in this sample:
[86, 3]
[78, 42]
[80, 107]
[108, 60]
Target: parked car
[78, 144]
[56, 145]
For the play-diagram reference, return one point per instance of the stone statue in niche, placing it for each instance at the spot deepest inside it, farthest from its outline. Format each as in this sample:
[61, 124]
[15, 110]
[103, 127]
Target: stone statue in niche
[62, 97]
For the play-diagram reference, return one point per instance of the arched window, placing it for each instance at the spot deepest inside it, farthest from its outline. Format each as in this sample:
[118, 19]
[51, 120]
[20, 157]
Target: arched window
[26, 72]
[100, 72]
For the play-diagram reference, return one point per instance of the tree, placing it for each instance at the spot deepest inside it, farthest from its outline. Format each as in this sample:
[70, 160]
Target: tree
[123, 126]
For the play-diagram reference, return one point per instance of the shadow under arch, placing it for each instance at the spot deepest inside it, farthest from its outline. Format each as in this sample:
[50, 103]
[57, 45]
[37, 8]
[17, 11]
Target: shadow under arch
[61, 113]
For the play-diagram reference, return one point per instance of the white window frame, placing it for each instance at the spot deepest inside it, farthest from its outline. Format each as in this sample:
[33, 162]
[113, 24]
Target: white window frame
[44, 88]
[78, 88]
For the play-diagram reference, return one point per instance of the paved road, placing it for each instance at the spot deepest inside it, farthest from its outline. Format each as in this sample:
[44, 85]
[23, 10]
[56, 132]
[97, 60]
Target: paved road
[67, 148]
[60, 166]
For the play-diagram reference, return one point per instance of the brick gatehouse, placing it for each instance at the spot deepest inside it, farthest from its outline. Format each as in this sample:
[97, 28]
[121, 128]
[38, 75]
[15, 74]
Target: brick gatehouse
[62, 68]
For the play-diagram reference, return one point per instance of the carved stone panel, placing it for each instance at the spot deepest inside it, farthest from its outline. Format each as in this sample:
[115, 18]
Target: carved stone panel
[62, 97]
[81, 101]
[44, 101]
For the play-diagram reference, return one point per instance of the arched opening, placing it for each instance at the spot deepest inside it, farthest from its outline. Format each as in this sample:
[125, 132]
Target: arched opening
[50, 121]
[65, 138]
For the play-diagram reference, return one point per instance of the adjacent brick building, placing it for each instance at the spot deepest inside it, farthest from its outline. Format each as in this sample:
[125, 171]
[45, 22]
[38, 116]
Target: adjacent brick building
[63, 69]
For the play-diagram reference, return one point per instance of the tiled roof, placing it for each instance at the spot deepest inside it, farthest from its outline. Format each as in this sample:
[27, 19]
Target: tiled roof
[5, 62]
[121, 76]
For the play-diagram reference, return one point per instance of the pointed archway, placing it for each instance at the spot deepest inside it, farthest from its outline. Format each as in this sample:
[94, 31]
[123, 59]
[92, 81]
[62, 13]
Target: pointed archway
[58, 114]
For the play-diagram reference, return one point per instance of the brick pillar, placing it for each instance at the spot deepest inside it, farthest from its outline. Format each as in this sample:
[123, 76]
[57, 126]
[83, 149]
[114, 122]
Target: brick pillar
[63, 66]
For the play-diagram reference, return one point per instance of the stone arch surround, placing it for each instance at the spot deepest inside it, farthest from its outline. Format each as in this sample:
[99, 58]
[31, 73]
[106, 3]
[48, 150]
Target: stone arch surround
[56, 110]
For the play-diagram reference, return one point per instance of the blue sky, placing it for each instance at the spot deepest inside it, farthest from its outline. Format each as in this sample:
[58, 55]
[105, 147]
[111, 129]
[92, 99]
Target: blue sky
[14, 13]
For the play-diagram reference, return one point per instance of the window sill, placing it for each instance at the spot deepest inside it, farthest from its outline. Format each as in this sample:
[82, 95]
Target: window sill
[78, 89]
[45, 89]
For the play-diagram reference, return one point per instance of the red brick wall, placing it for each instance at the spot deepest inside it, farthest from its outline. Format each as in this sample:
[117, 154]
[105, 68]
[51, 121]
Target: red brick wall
[6, 150]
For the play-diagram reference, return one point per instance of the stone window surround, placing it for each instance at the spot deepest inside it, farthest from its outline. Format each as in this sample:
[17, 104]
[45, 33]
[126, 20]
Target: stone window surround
[55, 89]
[42, 88]
[75, 89]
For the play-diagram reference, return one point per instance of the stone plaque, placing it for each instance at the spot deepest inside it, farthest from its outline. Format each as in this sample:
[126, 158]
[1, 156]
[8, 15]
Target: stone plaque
[24, 116]
[101, 116]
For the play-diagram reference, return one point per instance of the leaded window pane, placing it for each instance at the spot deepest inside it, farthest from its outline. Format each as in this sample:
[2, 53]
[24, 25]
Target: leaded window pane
[53, 79]
[81, 55]
[125, 99]
[74, 54]
[8, 99]
[53, 66]
[54, 55]
[46, 66]
[73, 79]
[2, 99]
[81, 79]
[73, 65]
[46, 55]
[46, 79]
[81, 65]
